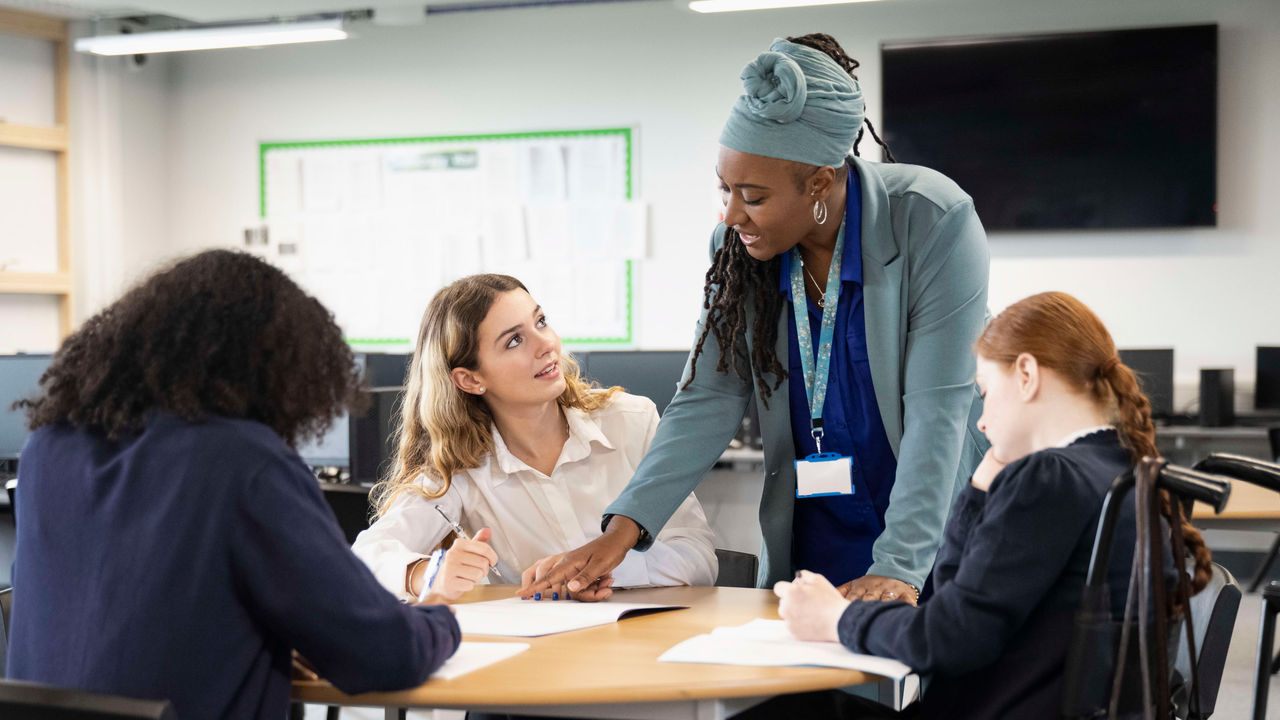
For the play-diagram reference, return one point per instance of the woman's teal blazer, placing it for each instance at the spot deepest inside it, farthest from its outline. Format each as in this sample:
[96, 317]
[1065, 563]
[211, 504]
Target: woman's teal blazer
[925, 267]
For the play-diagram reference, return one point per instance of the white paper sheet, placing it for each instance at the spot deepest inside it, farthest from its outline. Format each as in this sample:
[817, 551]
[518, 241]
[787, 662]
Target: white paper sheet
[531, 618]
[475, 655]
[324, 180]
[769, 643]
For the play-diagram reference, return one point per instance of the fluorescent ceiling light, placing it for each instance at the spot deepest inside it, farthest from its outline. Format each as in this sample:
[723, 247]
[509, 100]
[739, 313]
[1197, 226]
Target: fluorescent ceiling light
[715, 6]
[213, 38]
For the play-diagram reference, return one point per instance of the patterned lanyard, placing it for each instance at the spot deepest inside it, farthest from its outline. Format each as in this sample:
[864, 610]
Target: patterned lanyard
[815, 376]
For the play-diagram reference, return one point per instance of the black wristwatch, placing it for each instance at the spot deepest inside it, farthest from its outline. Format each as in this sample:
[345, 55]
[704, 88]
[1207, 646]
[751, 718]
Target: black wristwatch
[642, 543]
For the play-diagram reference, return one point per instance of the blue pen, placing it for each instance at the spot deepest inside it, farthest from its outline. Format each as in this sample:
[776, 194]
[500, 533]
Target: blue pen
[463, 534]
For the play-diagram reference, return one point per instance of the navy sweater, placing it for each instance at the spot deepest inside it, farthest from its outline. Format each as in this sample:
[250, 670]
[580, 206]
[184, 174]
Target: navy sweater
[1007, 582]
[187, 562]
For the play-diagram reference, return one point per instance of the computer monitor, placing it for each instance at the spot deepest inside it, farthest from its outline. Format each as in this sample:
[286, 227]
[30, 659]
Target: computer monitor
[334, 448]
[1154, 368]
[19, 380]
[651, 373]
[1266, 390]
[371, 437]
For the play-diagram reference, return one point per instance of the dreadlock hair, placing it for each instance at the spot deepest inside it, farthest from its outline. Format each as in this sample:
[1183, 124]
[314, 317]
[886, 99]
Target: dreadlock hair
[1065, 336]
[735, 276]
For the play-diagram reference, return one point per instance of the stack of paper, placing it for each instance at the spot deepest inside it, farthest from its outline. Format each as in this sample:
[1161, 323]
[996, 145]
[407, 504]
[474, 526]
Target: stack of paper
[530, 618]
[473, 656]
[769, 643]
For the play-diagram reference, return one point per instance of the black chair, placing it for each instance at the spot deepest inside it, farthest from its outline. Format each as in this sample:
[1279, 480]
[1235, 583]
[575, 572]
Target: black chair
[1213, 615]
[1255, 472]
[1095, 643]
[31, 701]
[1266, 666]
[1267, 475]
[737, 569]
[6, 601]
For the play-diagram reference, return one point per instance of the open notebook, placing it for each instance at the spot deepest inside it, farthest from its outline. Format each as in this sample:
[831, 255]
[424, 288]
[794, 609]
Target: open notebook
[769, 643]
[531, 618]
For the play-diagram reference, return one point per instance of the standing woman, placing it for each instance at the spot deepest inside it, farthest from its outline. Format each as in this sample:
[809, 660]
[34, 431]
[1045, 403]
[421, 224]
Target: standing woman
[879, 268]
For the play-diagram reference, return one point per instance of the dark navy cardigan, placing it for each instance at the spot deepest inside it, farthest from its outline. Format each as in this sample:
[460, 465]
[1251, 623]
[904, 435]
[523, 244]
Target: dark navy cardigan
[993, 638]
[187, 562]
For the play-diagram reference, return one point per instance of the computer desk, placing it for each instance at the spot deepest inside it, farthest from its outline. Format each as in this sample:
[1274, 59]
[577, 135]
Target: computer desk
[612, 671]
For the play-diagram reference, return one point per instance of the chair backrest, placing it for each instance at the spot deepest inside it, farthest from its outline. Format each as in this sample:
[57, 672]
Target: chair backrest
[737, 569]
[6, 599]
[11, 487]
[1273, 437]
[42, 702]
[1213, 617]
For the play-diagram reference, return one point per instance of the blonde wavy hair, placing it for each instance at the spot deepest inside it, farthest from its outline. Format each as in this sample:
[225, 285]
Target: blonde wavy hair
[443, 430]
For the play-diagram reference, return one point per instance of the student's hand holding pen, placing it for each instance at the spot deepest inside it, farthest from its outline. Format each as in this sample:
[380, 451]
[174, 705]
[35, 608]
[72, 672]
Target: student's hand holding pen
[811, 607]
[465, 563]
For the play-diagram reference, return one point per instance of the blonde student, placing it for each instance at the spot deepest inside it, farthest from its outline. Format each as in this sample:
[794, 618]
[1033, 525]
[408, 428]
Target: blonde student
[1065, 417]
[501, 435]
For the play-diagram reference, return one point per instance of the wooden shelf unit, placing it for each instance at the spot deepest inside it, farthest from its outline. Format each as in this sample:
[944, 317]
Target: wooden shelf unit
[56, 139]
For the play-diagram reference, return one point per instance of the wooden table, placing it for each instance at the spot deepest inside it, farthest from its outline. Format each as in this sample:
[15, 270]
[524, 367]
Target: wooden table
[1249, 507]
[611, 671]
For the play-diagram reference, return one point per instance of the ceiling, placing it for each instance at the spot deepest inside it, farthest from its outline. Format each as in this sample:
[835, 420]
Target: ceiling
[221, 11]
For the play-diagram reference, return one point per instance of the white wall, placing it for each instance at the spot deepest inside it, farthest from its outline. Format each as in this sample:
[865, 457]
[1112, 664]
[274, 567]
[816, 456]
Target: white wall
[1210, 293]
[119, 201]
[28, 194]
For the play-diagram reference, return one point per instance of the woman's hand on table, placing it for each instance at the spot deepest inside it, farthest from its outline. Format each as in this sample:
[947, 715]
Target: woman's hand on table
[585, 572]
[870, 588]
[811, 607]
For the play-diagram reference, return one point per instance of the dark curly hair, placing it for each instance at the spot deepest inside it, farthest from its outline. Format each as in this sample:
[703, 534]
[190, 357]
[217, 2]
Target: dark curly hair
[219, 333]
[735, 276]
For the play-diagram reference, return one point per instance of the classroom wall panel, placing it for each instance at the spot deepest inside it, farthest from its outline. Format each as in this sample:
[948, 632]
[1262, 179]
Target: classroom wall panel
[28, 211]
[26, 80]
[1210, 293]
[28, 323]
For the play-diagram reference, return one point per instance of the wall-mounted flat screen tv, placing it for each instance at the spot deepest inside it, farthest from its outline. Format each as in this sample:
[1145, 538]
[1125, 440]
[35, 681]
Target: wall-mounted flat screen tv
[1113, 129]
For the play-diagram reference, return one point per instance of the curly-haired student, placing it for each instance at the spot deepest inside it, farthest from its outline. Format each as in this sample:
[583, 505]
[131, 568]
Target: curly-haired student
[171, 543]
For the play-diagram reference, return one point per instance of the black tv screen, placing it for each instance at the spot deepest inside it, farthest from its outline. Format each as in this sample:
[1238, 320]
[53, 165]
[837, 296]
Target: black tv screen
[1113, 129]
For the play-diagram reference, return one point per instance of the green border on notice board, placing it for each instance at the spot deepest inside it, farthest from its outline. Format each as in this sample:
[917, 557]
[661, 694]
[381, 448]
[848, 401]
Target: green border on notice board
[263, 148]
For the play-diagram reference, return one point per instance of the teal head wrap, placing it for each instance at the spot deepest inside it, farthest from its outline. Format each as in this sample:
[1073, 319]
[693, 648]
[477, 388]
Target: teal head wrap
[799, 105]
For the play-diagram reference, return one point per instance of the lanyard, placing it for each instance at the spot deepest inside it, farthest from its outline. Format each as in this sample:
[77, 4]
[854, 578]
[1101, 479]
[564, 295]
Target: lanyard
[815, 375]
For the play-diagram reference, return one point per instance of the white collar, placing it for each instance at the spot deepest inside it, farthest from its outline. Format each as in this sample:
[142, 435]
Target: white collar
[1079, 434]
[584, 429]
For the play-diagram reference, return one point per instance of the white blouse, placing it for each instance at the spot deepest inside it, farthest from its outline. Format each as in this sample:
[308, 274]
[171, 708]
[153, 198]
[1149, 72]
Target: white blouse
[533, 515]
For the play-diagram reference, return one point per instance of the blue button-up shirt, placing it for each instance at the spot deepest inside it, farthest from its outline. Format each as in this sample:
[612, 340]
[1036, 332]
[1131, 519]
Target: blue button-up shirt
[833, 535]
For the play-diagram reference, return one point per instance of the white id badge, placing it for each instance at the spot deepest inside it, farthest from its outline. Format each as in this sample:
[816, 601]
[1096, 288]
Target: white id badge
[824, 474]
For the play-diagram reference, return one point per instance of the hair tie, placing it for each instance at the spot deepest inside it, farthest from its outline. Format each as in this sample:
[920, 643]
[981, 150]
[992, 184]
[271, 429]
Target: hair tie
[1108, 366]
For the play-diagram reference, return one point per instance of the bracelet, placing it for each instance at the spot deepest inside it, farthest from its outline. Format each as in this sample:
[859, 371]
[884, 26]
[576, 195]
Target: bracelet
[433, 567]
[408, 575]
[915, 590]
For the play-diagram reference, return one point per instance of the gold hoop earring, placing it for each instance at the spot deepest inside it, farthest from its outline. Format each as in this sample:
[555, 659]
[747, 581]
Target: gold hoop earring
[819, 212]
